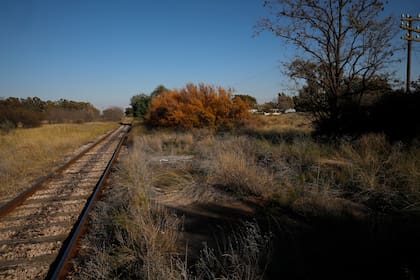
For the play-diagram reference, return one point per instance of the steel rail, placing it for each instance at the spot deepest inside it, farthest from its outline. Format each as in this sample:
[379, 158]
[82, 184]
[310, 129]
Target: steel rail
[23, 196]
[59, 267]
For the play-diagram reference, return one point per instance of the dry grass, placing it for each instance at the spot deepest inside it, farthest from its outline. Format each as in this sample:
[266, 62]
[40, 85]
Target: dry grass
[300, 172]
[26, 154]
[148, 231]
[301, 122]
[313, 179]
[382, 174]
[242, 256]
[134, 237]
[168, 143]
[366, 172]
[277, 130]
[233, 167]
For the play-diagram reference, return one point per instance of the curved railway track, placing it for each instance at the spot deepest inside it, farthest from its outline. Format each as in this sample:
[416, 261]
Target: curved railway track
[39, 228]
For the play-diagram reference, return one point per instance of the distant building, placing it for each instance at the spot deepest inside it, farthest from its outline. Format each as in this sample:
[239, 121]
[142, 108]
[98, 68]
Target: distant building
[275, 112]
[290, 110]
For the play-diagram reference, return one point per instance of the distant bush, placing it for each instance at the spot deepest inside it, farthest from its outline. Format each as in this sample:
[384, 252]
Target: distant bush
[197, 106]
[113, 114]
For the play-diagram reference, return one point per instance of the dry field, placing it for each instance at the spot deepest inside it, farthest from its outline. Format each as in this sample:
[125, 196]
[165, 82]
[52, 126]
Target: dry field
[27, 154]
[263, 202]
[295, 122]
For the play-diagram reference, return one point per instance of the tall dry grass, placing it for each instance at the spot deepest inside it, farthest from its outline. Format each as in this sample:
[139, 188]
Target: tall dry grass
[134, 237]
[301, 175]
[244, 255]
[365, 172]
[239, 256]
[382, 174]
[231, 165]
[299, 171]
[26, 154]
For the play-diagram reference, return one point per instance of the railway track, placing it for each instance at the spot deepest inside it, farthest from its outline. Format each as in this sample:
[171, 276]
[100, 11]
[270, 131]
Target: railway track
[39, 228]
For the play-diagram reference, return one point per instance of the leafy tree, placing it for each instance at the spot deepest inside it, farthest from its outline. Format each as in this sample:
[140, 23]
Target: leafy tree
[197, 106]
[159, 90]
[342, 42]
[249, 100]
[140, 104]
[128, 112]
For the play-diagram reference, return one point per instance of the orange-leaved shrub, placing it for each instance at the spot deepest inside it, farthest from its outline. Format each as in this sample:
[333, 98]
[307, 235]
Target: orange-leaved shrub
[197, 106]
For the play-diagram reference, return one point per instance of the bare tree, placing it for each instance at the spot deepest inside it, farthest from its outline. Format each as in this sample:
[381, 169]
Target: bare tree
[342, 41]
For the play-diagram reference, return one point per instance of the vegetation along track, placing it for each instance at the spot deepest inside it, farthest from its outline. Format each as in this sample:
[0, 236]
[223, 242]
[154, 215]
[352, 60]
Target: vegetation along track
[34, 227]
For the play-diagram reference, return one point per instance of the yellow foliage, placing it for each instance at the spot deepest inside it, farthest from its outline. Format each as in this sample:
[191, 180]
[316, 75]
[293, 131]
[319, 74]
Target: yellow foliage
[197, 106]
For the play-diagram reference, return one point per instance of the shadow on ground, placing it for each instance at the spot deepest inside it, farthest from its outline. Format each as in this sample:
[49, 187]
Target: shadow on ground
[210, 222]
[342, 248]
[327, 247]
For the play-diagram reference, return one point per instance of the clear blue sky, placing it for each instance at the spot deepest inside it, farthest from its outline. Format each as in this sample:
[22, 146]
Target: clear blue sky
[104, 52]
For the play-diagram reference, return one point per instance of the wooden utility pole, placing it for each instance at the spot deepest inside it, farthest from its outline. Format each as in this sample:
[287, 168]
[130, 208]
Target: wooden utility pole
[407, 24]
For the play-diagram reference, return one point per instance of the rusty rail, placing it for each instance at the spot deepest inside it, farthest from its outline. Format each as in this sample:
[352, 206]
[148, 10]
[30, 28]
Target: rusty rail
[60, 266]
[18, 200]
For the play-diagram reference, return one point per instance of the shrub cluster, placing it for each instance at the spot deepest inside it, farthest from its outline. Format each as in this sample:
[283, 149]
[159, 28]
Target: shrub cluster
[197, 106]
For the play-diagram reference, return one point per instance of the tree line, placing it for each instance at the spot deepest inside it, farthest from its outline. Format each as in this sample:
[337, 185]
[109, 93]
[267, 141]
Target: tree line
[32, 111]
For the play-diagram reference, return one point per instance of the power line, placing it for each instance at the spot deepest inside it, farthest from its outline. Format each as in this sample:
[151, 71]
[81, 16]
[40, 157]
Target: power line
[407, 24]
